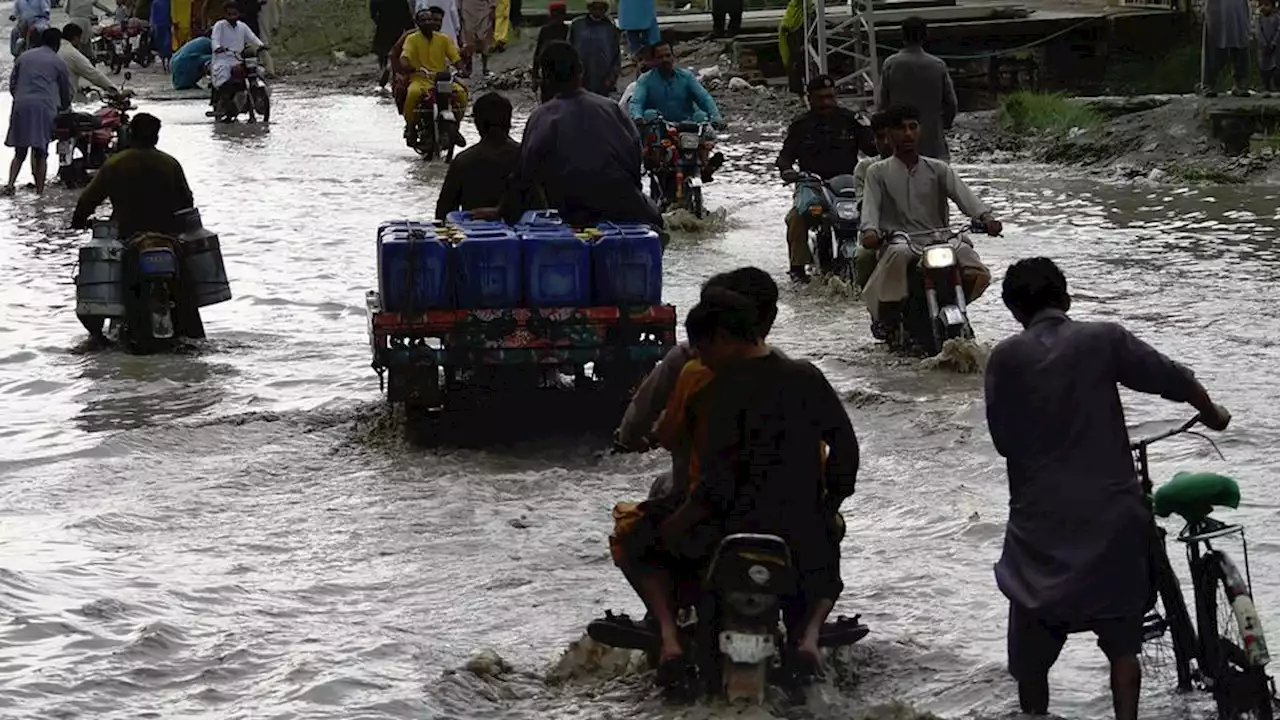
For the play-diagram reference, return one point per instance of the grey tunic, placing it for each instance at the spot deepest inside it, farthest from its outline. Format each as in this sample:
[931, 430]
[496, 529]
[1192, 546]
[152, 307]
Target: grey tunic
[1227, 24]
[598, 43]
[40, 85]
[584, 153]
[913, 77]
[1076, 544]
[1268, 38]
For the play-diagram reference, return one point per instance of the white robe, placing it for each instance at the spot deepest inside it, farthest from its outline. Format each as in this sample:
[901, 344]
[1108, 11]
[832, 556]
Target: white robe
[82, 70]
[234, 39]
[452, 23]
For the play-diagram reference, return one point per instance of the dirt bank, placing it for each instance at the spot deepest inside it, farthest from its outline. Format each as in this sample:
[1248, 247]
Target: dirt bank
[1152, 137]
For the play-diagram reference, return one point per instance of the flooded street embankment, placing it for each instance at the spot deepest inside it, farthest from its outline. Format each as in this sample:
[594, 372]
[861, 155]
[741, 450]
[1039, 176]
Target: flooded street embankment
[239, 532]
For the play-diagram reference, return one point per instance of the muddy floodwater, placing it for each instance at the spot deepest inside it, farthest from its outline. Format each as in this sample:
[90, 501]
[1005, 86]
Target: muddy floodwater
[237, 532]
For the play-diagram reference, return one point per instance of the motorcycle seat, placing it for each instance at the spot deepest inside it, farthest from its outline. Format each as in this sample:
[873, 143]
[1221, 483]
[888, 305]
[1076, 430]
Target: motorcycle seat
[77, 121]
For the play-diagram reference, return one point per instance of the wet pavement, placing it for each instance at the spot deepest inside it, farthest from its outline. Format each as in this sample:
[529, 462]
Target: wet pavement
[238, 531]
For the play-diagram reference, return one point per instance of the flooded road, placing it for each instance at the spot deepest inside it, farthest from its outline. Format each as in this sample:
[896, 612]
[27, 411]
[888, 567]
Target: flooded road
[237, 532]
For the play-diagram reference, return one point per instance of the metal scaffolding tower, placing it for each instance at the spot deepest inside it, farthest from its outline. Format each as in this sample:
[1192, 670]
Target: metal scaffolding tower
[850, 44]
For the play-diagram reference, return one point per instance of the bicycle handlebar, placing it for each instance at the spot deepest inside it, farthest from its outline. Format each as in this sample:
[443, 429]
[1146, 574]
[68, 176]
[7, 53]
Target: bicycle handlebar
[1143, 442]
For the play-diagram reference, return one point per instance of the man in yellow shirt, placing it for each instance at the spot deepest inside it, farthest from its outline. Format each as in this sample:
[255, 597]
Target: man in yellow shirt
[426, 53]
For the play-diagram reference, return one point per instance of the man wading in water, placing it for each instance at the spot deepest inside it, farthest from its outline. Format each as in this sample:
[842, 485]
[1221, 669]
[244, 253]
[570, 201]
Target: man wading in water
[1080, 531]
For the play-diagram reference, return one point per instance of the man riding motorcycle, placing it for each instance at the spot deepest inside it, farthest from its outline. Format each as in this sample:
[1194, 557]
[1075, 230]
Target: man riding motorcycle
[676, 95]
[824, 141]
[865, 258]
[231, 39]
[671, 536]
[426, 53]
[908, 193]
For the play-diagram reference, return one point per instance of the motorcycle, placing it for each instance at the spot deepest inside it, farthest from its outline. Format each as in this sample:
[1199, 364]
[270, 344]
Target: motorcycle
[150, 286]
[246, 93]
[114, 47]
[674, 157]
[437, 121]
[935, 310]
[84, 141]
[831, 210]
[731, 621]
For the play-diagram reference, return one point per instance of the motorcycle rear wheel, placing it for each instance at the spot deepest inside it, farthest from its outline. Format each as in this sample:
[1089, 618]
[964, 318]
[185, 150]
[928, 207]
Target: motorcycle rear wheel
[262, 101]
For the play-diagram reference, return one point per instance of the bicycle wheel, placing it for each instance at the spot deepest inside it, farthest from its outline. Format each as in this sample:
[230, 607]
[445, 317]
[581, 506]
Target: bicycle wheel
[1224, 613]
[1167, 630]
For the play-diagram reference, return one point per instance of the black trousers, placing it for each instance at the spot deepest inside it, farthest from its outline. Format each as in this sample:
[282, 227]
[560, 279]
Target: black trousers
[515, 15]
[722, 8]
[1216, 59]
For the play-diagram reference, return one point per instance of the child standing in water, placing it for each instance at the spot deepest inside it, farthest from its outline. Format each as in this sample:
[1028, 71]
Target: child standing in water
[1268, 37]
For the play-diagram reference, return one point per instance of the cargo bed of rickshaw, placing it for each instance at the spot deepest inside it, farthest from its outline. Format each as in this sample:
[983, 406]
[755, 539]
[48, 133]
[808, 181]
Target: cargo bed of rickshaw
[448, 359]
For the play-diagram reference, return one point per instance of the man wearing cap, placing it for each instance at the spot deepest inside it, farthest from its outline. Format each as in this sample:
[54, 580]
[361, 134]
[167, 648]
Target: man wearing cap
[824, 141]
[597, 41]
[555, 29]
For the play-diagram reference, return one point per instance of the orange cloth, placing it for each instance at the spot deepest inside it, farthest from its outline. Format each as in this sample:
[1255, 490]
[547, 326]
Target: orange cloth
[681, 423]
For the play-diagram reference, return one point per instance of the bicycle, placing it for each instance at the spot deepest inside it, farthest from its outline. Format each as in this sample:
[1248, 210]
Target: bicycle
[1226, 643]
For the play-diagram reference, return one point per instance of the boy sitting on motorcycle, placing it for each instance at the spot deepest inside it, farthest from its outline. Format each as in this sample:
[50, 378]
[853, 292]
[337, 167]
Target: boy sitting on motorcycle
[426, 53]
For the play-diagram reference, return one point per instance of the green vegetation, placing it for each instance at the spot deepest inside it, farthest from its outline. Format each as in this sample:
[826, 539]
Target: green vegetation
[320, 27]
[1039, 112]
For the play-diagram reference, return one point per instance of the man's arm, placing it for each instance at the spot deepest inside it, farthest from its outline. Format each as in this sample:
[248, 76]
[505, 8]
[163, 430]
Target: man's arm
[882, 95]
[80, 65]
[452, 53]
[871, 199]
[451, 191]
[252, 39]
[409, 57]
[651, 397]
[1144, 369]
[703, 100]
[640, 98]
[615, 60]
[787, 155]
[66, 93]
[93, 195]
[842, 442]
[963, 197]
[949, 104]
[998, 389]
[185, 200]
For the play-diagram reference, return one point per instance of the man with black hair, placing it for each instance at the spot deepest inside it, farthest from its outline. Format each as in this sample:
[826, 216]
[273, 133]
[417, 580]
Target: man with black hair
[581, 150]
[78, 65]
[913, 77]
[1076, 547]
[146, 186]
[673, 92]
[478, 178]
[824, 141]
[909, 193]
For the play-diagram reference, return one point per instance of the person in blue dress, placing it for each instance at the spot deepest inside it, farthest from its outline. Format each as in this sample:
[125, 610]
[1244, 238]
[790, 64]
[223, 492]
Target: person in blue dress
[162, 31]
[41, 86]
[188, 64]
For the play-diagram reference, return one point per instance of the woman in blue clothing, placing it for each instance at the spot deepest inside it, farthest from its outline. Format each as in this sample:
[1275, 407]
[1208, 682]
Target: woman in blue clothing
[162, 31]
[188, 64]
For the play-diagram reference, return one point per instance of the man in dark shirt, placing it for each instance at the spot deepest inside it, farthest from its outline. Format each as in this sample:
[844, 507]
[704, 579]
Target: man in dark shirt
[146, 186]
[824, 141]
[760, 464]
[555, 29]
[581, 150]
[478, 178]
[1077, 542]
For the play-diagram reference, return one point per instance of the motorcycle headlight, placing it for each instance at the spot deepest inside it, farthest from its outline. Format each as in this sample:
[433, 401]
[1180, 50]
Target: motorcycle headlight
[847, 210]
[936, 258]
[690, 141]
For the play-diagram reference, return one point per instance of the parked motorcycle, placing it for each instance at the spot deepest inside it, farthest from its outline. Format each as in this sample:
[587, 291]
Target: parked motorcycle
[675, 154]
[113, 47]
[149, 286]
[85, 141]
[935, 310]
[437, 121]
[732, 620]
[246, 93]
[830, 209]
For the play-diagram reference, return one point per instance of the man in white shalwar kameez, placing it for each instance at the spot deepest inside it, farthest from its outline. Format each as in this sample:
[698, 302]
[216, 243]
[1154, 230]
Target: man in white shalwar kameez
[452, 24]
[230, 39]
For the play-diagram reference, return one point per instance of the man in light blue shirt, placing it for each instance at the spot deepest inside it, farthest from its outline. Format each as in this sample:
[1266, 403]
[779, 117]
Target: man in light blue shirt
[673, 92]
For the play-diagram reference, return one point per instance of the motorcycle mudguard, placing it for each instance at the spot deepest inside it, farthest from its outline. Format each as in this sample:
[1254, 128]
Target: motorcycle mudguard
[951, 316]
[695, 182]
[746, 648]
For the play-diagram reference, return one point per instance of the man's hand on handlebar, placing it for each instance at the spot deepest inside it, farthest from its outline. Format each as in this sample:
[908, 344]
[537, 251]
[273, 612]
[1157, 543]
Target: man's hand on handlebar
[992, 226]
[790, 175]
[1218, 419]
[871, 239]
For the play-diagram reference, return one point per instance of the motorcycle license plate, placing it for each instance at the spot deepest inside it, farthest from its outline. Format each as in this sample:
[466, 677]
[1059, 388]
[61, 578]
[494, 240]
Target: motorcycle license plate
[744, 648]
[951, 315]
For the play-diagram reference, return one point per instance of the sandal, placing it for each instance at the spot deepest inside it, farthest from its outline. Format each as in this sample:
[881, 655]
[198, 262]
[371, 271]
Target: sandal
[621, 631]
[844, 631]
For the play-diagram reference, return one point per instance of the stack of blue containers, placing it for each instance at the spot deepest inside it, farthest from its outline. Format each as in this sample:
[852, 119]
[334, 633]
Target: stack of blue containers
[542, 263]
[414, 266]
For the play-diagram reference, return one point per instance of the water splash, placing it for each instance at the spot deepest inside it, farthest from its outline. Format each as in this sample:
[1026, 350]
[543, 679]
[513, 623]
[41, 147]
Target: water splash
[959, 355]
[681, 220]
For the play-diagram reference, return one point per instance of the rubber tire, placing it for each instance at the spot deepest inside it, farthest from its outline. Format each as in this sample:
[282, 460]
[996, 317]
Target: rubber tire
[1208, 577]
[1177, 618]
[146, 60]
[695, 202]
